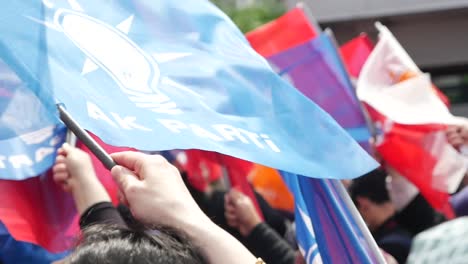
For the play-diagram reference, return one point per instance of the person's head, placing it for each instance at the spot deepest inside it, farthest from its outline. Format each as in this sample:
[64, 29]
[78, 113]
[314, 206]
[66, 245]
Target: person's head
[113, 244]
[371, 197]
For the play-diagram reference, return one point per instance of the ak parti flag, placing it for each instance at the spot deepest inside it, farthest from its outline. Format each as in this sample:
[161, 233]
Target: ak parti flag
[289, 30]
[412, 119]
[355, 53]
[164, 75]
[29, 134]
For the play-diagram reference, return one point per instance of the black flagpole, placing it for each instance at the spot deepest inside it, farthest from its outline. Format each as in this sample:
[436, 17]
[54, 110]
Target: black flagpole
[82, 135]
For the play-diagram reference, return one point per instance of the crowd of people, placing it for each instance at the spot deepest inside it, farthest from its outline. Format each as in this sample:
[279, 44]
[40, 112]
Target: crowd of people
[161, 218]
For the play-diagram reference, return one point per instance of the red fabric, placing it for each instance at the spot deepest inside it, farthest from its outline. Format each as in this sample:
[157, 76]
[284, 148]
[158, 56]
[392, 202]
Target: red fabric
[289, 30]
[355, 53]
[39, 212]
[404, 148]
[101, 171]
[202, 168]
[238, 171]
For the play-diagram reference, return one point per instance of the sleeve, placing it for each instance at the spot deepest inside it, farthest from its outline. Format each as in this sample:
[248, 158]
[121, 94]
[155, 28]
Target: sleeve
[101, 213]
[265, 243]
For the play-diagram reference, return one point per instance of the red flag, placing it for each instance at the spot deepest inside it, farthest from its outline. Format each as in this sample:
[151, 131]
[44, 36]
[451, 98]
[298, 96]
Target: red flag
[412, 119]
[412, 151]
[238, 171]
[202, 168]
[355, 53]
[38, 211]
[285, 32]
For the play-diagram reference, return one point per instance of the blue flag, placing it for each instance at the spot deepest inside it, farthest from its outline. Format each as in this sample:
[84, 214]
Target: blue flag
[29, 134]
[325, 229]
[315, 69]
[159, 75]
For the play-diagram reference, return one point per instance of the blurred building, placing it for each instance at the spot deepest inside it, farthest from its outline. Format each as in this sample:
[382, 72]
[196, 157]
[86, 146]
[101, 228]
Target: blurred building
[434, 32]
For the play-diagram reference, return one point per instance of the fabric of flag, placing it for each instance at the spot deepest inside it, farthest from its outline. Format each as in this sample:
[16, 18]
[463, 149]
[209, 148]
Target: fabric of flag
[160, 75]
[289, 30]
[326, 232]
[355, 53]
[39, 212]
[412, 119]
[238, 171]
[204, 167]
[13, 252]
[268, 183]
[314, 69]
[29, 134]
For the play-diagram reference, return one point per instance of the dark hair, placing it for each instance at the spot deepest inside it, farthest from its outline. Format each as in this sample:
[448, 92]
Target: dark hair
[116, 244]
[372, 186]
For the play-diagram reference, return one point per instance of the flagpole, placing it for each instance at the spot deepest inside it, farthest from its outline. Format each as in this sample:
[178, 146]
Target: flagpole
[84, 137]
[309, 15]
[343, 193]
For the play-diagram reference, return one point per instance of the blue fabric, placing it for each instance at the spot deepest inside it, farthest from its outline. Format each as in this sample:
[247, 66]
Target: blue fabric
[161, 75]
[324, 226]
[29, 133]
[16, 252]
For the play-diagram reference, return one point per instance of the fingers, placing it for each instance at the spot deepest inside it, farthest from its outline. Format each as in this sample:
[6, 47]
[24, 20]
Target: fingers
[67, 147]
[61, 176]
[60, 159]
[126, 180]
[452, 129]
[64, 150]
[122, 198]
[236, 195]
[231, 216]
[61, 151]
[130, 159]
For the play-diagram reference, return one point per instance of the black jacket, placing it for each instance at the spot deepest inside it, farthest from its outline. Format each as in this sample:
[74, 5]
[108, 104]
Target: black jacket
[395, 240]
[264, 242]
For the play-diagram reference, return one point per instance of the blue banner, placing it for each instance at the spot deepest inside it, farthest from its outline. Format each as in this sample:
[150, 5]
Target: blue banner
[326, 232]
[160, 75]
[29, 135]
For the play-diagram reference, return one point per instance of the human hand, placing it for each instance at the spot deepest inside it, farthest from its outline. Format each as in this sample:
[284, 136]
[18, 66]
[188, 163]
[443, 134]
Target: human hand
[74, 172]
[457, 136]
[240, 212]
[73, 169]
[154, 190]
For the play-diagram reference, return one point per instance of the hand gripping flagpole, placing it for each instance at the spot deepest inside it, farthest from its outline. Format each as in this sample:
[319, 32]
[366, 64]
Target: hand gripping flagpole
[89, 142]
